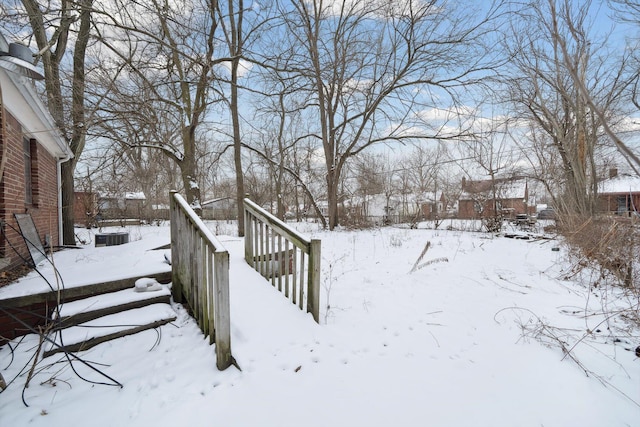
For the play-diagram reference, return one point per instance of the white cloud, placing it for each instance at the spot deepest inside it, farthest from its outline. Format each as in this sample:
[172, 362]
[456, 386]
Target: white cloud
[243, 67]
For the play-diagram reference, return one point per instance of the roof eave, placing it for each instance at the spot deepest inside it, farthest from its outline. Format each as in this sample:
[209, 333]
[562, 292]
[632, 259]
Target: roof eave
[20, 98]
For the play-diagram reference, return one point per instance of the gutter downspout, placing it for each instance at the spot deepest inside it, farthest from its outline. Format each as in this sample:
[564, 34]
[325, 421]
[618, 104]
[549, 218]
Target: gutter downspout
[59, 163]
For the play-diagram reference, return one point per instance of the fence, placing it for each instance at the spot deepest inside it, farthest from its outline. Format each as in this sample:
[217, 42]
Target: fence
[200, 274]
[285, 257]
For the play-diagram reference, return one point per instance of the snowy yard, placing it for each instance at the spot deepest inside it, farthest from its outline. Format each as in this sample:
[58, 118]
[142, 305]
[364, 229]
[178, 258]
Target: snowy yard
[471, 339]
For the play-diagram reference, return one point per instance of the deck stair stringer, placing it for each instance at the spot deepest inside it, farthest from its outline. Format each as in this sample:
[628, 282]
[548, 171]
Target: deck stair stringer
[83, 310]
[83, 324]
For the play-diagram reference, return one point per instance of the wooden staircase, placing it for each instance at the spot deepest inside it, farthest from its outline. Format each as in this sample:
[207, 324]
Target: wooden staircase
[85, 323]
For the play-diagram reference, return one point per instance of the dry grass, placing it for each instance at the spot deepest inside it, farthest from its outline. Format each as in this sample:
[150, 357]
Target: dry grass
[608, 246]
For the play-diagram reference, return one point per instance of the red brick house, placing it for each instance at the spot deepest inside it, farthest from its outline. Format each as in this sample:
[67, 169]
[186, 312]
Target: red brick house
[477, 198]
[620, 194]
[31, 151]
[433, 205]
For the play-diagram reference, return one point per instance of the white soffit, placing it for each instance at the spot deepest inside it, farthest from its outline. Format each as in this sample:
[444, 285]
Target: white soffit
[21, 100]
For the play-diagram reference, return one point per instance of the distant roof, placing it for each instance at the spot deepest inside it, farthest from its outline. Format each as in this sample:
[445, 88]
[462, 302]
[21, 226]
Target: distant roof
[620, 184]
[429, 196]
[130, 195]
[139, 195]
[214, 201]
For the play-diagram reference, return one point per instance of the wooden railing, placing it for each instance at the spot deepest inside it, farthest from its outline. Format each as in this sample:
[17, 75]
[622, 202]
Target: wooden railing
[284, 256]
[200, 275]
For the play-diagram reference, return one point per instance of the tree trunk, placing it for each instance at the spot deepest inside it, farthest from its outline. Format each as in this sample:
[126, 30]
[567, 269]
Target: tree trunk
[237, 149]
[332, 198]
[191, 188]
[239, 188]
[280, 208]
[236, 49]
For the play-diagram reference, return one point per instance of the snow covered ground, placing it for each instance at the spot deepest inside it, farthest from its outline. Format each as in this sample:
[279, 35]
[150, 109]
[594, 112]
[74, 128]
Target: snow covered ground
[472, 338]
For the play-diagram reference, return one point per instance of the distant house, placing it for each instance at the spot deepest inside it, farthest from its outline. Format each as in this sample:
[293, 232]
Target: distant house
[222, 208]
[160, 211]
[122, 205]
[31, 150]
[511, 198]
[380, 209]
[433, 205]
[619, 194]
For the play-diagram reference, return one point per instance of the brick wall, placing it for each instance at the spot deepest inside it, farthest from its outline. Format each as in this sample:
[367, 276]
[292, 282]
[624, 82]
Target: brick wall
[44, 205]
[467, 208]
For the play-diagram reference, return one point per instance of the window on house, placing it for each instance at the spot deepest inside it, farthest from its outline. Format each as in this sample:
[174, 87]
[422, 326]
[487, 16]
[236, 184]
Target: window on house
[28, 182]
[30, 171]
[623, 205]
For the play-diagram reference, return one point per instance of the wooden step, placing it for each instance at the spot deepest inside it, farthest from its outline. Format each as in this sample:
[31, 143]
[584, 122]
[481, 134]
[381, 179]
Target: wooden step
[106, 328]
[80, 311]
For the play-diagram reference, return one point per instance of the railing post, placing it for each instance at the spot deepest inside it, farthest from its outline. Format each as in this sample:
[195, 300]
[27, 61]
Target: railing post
[176, 285]
[211, 292]
[313, 285]
[248, 235]
[200, 275]
[264, 236]
[221, 311]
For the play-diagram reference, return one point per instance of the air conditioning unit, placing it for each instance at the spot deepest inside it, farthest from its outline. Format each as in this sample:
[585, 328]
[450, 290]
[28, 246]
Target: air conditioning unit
[111, 239]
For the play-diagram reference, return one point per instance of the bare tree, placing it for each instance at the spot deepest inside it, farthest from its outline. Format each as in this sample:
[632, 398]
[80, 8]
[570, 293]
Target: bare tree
[424, 165]
[543, 164]
[279, 134]
[61, 30]
[308, 186]
[370, 174]
[425, 171]
[626, 10]
[371, 66]
[564, 80]
[232, 21]
[493, 155]
[163, 58]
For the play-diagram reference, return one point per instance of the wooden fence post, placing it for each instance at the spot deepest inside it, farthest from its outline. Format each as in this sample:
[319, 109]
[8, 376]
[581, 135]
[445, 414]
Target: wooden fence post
[313, 285]
[267, 241]
[248, 235]
[200, 275]
[221, 311]
[176, 285]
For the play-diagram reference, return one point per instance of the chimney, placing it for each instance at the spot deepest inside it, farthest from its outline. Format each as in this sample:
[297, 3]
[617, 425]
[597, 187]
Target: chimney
[464, 182]
[613, 172]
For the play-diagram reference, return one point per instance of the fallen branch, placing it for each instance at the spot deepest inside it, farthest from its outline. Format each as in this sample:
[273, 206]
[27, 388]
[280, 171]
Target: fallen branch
[541, 330]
